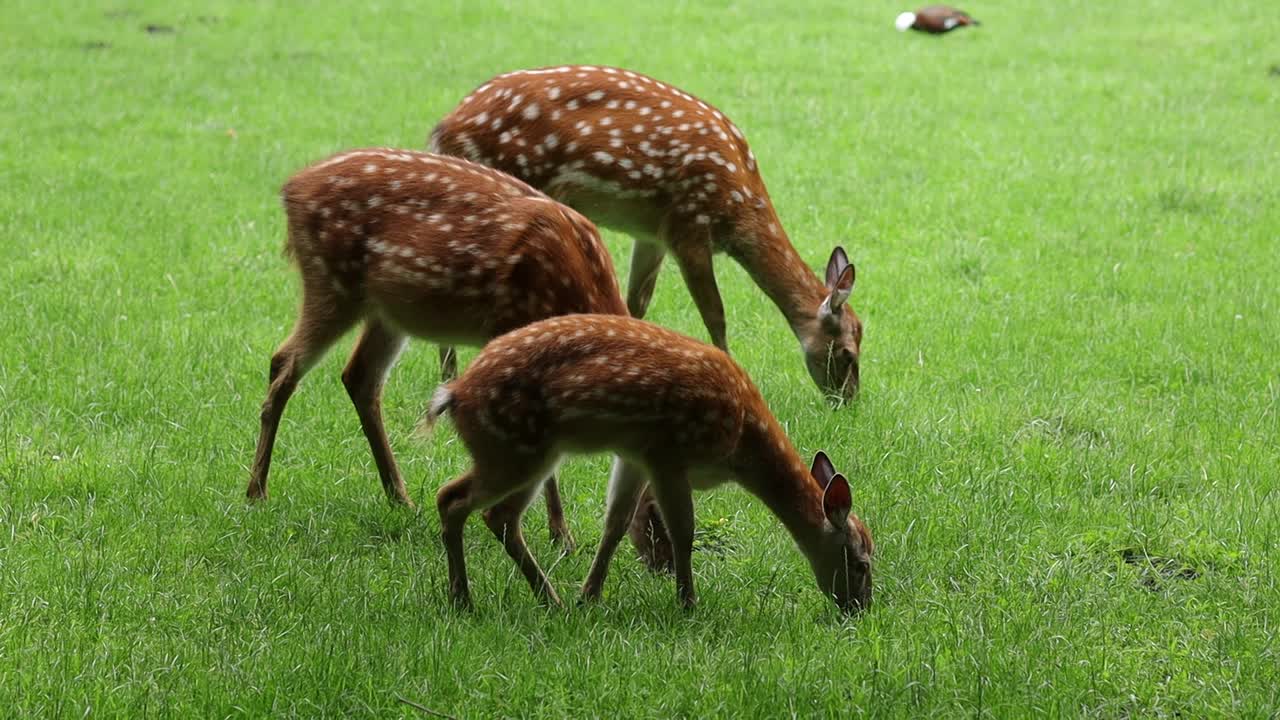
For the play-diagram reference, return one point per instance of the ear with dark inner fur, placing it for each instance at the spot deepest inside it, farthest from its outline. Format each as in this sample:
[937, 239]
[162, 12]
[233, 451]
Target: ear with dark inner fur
[837, 501]
[836, 265]
[840, 292]
[822, 470]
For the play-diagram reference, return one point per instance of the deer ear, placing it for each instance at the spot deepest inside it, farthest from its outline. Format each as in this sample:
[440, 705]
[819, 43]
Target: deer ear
[840, 292]
[822, 470]
[836, 265]
[837, 501]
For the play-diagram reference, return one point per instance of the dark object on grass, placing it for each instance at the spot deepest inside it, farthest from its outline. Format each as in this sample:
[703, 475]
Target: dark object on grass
[1275, 70]
[158, 29]
[934, 19]
[422, 708]
[1153, 569]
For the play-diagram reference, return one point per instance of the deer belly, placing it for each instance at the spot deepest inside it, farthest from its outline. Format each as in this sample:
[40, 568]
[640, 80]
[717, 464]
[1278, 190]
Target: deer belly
[619, 211]
[442, 319]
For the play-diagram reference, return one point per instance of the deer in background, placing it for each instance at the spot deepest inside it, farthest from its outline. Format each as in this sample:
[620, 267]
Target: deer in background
[640, 156]
[430, 246]
[682, 412]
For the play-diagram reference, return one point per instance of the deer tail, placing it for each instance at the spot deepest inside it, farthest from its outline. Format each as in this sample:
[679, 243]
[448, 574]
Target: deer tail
[440, 404]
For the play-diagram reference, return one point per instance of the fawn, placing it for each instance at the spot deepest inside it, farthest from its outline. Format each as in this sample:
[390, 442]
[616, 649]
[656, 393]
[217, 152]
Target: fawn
[435, 247]
[682, 412]
[638, 155]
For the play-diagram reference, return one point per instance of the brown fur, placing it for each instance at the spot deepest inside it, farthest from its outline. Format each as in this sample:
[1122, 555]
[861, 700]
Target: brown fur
[414, 244]
[933, 19]
[642, 156]
[682, 413]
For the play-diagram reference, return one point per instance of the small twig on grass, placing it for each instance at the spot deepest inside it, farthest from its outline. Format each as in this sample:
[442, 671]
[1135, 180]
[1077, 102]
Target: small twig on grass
[423, 708]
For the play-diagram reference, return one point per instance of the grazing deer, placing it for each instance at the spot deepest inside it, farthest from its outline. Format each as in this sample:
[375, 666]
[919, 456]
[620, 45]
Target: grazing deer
[643, 157]
[682, 412]
[430, 246]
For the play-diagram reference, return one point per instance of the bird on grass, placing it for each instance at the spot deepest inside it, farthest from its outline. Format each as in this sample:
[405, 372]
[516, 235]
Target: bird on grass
[934, 19]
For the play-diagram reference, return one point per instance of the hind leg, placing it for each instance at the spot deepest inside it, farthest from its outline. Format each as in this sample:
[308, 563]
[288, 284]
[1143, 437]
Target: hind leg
[625, 484]
[556, 524]
[483, 485]
[675, 497]
[321, 321]
[366, 371]
[503, 520]
[646, 261]
[691, 246]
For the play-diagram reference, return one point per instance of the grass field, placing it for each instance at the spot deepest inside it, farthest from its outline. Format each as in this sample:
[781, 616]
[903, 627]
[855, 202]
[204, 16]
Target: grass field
[1066, 227]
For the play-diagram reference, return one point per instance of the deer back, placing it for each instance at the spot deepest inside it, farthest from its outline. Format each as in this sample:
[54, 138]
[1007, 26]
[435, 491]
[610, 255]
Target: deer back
[595, 382]
[443, 247]
[609, 132]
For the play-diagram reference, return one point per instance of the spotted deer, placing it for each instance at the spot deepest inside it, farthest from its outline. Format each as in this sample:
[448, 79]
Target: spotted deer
[415, 244]
[638, 155]
[682, 412]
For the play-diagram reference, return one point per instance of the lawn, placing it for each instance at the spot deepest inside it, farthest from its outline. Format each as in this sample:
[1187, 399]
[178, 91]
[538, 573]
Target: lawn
[1065, 224]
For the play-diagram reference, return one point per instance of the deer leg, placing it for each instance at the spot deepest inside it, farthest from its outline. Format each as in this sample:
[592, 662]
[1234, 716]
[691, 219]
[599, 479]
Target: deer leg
[560, 534]
[448, 363]
[675, 498]
[503, 520]
[692, 249]
[646, 260]
[454, 503]
[479, 487]
[319, 324]
[366, 371]
[625, 483]
[649, 534]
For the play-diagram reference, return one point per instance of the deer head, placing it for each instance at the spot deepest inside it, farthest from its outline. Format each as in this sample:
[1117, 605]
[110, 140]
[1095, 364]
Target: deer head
[833, 339]
[842, 559]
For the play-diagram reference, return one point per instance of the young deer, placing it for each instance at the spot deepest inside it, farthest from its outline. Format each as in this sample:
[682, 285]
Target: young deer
[430, 246]
[683, 413]
[643, 157]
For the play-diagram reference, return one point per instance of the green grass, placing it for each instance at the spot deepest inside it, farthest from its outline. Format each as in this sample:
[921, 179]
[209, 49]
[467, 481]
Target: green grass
[1066, 227]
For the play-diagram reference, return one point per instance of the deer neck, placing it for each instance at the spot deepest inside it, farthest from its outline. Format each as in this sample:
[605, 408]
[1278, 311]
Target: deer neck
[775, 266]
[769, 467]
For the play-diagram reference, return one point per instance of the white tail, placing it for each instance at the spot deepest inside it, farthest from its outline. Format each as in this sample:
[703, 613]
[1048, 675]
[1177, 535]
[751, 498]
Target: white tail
[682, 411]
[641, 156]
[415, 244]
[440, 402]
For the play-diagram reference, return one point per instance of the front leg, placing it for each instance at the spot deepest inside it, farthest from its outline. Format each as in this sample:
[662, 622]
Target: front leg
[691, 245]
[374, 353]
